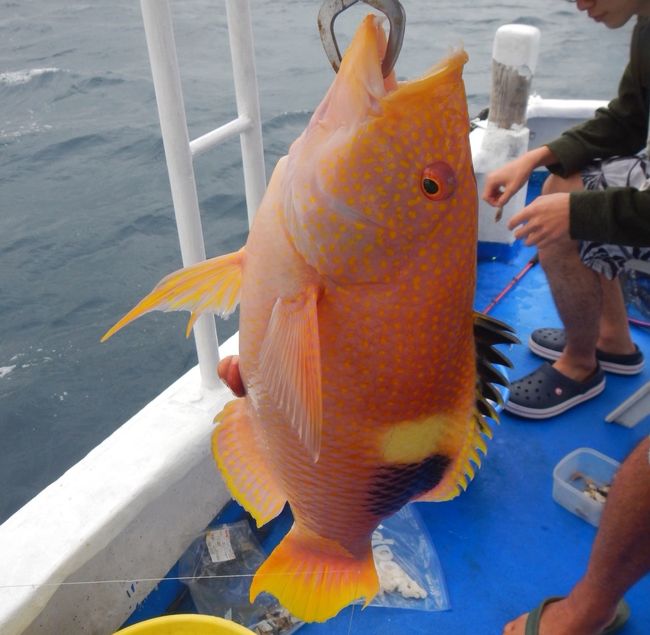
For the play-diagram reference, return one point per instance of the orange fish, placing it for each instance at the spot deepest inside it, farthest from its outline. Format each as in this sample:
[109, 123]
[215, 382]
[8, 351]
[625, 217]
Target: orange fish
[358, 342]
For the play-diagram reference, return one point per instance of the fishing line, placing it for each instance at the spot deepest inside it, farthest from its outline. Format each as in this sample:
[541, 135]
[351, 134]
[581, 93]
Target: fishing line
[129, 581]
[157, 579]
[350, 623]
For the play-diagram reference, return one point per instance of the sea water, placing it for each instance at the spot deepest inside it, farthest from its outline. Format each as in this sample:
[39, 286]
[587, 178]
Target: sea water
[86, 222]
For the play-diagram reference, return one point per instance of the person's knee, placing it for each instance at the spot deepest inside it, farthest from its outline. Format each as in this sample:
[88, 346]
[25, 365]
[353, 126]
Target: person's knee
[559, 254]
[554, 184]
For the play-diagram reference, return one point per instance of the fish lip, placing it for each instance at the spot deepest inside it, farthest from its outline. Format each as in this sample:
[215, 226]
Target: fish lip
[437, 73]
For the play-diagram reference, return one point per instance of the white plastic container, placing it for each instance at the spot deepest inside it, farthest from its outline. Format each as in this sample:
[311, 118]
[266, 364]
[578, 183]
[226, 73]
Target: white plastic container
[569, 482]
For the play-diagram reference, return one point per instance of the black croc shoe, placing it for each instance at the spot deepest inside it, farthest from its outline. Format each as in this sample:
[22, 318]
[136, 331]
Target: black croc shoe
[546, 392]
[549, 344]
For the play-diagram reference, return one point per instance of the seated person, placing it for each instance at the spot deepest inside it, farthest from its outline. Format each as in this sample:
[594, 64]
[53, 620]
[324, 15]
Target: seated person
[593, 216]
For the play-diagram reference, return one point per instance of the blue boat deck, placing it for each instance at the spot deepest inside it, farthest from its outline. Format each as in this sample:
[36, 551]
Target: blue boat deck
[505, 544]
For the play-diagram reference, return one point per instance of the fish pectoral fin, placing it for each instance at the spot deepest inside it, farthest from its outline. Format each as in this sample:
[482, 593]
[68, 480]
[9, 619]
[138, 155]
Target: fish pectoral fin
[243, 464]
[209, 286]
[290, 365]
[314, 577]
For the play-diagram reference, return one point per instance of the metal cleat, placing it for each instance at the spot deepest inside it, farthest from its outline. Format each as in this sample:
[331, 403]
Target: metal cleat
[392, 9]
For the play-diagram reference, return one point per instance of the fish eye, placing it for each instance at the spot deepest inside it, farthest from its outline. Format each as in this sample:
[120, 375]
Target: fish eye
[438, 181]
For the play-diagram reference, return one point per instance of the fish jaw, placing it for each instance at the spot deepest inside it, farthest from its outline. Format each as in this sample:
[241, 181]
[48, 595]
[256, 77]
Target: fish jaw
[359, 84]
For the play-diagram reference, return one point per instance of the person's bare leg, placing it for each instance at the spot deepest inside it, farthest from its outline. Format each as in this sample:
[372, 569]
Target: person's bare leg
[577, 294]
[620, 557]
[614, 335]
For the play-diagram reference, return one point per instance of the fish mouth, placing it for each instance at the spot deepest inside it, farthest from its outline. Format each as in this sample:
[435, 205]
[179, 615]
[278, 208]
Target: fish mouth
[364, 57]
[360, 93]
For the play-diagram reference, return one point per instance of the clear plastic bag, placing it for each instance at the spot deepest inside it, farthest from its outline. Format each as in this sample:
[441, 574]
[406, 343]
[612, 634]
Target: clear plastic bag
[218, 568]
[219, 565]
[409, 570]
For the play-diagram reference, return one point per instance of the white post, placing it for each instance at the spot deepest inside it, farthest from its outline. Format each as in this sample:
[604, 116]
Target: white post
[514, 58]
[173, 124]
[240, 32]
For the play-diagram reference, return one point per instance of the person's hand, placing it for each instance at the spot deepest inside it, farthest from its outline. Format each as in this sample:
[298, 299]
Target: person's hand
[502, 184]
[544, 221]
[228, 371]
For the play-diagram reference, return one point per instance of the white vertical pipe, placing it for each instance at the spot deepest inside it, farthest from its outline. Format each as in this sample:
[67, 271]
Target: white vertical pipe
[173, 123]
[240, 31]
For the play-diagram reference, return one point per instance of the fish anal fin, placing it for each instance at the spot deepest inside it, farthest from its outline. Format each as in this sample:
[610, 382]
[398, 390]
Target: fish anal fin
[210, 286]
[290, 365]
[243, 464]
[314, 577]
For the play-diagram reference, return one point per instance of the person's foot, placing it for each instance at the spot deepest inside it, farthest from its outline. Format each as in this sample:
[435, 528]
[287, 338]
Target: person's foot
[546, 392]
[616, 358]
[560, 616]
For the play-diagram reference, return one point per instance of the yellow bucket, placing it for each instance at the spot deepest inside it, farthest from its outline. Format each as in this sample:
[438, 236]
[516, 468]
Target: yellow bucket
[185, 625]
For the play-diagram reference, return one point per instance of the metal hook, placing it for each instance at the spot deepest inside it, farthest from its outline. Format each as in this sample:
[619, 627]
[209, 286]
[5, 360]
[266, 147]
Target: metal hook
[392, 9]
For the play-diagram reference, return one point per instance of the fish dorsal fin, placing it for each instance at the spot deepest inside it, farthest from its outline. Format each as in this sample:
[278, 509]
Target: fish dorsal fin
[290, 365]
[210, 286]
[488, 332]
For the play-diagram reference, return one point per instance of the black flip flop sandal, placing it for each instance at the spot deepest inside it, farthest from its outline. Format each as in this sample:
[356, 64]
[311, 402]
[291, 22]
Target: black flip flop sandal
[534, 617]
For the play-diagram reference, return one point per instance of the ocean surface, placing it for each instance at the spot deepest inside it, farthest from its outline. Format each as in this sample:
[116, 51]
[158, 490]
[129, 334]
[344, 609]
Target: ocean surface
[86, 223]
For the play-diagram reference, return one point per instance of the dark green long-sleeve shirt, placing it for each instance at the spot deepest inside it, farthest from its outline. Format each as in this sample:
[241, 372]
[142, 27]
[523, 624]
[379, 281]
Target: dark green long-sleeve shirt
[619, 215]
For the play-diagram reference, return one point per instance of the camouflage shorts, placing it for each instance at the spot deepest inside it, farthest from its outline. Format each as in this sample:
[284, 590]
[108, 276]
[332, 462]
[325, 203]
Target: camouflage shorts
[609, 260]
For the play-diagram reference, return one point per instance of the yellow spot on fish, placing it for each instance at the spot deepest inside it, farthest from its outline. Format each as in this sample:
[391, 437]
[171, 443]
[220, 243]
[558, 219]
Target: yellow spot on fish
[414, 441]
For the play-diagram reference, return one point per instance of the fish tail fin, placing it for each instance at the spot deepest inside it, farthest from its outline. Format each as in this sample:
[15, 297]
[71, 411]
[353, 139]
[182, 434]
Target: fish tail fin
[209, 286]
[488, 332]
[244, 466]
[314, 577]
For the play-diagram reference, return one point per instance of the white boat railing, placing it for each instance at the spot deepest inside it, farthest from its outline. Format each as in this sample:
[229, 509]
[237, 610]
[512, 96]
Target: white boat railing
[180, 151]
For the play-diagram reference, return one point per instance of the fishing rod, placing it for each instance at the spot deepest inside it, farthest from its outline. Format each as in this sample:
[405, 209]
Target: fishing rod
[529, 265]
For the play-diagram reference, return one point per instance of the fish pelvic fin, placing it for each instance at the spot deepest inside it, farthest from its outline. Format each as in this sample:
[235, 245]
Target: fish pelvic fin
[211, 286]
[243, 465]
[314, 577]
[488, 332]
[290, 365]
